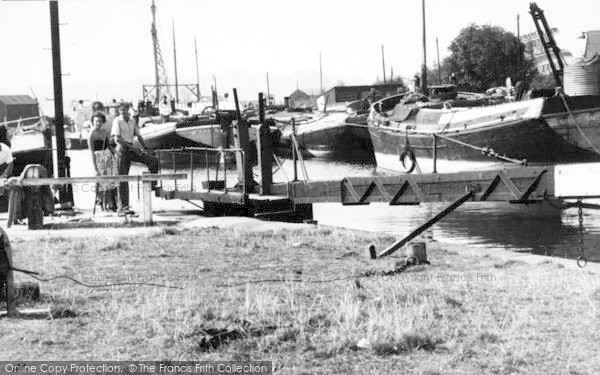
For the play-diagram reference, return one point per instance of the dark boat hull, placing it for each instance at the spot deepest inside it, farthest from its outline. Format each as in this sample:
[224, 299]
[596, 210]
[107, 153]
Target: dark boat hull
[336, 137]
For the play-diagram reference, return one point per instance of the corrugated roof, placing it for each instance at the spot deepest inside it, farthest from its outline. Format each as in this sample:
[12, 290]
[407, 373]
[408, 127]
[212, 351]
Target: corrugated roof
[17, 99]
[592, 44]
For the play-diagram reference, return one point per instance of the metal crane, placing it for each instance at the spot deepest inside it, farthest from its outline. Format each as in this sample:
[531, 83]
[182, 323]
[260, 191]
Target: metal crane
[552, 51]
[160, 73]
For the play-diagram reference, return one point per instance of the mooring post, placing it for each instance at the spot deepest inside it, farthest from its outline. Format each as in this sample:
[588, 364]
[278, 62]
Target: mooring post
[434, 153]
[6, 274]
[147, 201]
[245, 167]
[264, 150]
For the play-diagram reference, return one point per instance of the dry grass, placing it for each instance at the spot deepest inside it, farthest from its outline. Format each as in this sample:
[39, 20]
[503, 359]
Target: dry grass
[457, 315]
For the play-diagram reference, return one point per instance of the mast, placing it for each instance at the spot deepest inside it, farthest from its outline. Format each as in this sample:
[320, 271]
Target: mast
[424, 66]
[268, 91]
[437, 46]
[321, 71]
[383, 62]
[518, 49]
[58, 103]
[175, 63]
[197, 71]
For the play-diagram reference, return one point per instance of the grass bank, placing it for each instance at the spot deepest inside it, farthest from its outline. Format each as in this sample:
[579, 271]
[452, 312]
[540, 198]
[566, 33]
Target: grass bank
[460, 314]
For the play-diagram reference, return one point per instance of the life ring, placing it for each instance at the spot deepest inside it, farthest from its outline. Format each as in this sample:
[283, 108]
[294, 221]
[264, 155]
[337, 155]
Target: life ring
[408, 160]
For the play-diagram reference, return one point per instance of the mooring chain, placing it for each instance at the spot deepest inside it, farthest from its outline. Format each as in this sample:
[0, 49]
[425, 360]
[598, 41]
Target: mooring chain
[411, 261]
[581, 261]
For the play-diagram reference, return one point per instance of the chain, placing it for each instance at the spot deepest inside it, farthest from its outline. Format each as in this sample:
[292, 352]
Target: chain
[581, 261]
[412, 261]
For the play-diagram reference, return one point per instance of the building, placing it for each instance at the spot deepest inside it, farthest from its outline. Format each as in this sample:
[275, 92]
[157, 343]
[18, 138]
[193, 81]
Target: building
[337, 97]
[300, 99]
[592, 44]
[13, 107]
[534, 50]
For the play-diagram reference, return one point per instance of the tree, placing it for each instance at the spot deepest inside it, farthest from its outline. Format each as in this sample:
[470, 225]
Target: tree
[483, 56]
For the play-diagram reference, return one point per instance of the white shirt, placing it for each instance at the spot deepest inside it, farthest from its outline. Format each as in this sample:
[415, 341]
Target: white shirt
[164, 109]
[126, 129]
[5, 154]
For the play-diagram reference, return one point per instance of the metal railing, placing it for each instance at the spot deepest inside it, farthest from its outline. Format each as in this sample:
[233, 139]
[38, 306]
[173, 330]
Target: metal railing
[219, 157]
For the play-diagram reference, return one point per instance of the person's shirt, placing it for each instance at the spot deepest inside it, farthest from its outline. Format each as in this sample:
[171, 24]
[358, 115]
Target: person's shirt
[6, 156]
[164, 109]
[125, 129]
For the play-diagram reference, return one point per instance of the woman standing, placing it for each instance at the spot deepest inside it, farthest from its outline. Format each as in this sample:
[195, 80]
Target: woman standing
[104, 163]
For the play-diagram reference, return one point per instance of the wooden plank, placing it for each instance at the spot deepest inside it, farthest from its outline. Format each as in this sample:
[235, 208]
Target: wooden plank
[118, 178]
[214, 196]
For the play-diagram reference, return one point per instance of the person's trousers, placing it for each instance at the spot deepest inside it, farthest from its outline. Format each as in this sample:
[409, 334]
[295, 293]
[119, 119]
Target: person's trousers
[126, 154]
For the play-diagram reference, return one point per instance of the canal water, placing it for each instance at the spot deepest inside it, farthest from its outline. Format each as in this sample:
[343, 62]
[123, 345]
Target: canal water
[536, 228]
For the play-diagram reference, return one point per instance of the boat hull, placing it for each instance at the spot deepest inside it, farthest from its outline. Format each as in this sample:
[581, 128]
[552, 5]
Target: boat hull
[335, 136]
[171, 135]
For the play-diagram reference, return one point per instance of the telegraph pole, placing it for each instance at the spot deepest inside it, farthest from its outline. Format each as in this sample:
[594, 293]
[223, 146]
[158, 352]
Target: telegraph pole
[65, 193]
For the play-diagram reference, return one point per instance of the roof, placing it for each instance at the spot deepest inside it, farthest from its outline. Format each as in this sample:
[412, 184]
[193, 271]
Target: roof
[17, 99]
[298, 94]
[592, 44]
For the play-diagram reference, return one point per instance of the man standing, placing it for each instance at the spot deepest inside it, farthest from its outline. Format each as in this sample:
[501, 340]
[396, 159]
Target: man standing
[124, 130]
[164, 109]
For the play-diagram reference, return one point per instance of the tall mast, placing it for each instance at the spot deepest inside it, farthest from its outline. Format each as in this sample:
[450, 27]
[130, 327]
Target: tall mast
[437, 46]
[175, 63]
[197, 70]
[518, 49]
[321, 71]
[383, 62]
[424, 67]
[268, 91]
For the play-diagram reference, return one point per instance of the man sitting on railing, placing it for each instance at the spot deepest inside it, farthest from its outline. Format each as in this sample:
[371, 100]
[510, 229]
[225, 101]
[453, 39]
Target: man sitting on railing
[6, 158]
[124, 130]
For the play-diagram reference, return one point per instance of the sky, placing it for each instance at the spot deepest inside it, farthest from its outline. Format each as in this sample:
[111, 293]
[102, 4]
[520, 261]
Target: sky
[106, 45]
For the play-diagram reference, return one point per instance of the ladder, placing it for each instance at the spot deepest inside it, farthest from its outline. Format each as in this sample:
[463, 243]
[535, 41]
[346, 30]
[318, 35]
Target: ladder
[552, 51]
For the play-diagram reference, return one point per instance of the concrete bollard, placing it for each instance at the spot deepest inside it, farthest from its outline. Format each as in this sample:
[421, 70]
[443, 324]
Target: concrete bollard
[416, 250]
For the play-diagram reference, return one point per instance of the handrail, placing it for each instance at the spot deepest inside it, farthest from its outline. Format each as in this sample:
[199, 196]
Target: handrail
[18, 181]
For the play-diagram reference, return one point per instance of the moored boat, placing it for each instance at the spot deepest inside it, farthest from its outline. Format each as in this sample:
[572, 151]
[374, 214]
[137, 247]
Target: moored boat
[558, 129]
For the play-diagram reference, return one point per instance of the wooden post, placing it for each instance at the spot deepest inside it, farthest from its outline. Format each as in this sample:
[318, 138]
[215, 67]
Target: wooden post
[264, 150]
[244, 144]
[11, 305]
[147, 202]
[434, 153]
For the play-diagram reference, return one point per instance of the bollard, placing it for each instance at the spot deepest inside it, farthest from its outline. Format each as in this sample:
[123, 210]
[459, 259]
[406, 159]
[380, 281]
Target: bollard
[416, 250]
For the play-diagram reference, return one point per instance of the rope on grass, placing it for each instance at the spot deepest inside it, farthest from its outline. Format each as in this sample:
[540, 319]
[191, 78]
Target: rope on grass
[95, 285]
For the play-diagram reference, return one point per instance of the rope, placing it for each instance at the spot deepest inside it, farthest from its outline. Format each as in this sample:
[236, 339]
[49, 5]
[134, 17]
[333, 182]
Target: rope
[95, 285]
[368, 274]
[564, 101]
[280, 167]
[488, 151]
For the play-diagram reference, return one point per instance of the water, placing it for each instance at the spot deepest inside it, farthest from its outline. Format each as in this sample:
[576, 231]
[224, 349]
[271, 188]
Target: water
[537, 228]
